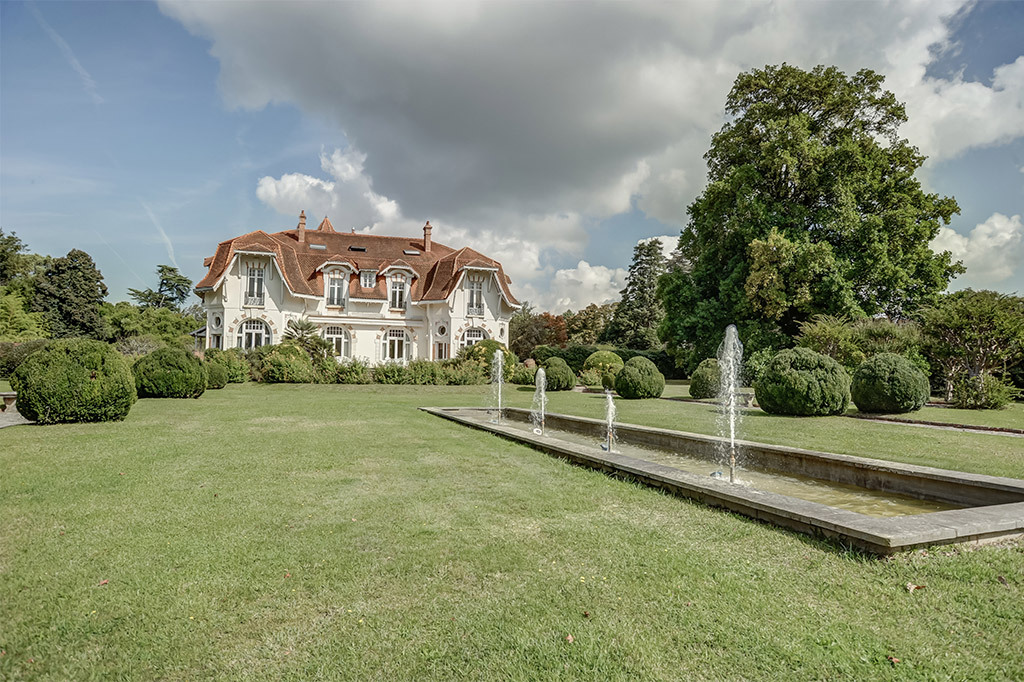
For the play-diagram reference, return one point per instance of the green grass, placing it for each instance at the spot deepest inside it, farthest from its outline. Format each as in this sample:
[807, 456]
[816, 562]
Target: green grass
[1011, 417]
[298, 532]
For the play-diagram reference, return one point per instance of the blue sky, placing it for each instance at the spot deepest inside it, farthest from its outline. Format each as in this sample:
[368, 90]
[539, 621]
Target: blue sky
[552, 137]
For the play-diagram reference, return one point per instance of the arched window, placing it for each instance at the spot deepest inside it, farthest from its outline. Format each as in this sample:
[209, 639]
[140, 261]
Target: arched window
[473, 336]
[397, 347]
[340, 340]
[252, 334]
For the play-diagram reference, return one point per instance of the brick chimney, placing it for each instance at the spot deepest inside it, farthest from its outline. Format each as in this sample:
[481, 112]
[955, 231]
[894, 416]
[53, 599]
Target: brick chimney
[302, 227]
[426, 237]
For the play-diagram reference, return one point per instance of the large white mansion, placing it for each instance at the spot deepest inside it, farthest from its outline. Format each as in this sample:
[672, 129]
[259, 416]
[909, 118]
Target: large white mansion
[375, 298]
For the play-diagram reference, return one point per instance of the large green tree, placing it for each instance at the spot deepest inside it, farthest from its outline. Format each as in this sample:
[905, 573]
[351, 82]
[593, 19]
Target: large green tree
[171, 292]
[638, 314]
[69, 293]
[587, 326]
[811, 207]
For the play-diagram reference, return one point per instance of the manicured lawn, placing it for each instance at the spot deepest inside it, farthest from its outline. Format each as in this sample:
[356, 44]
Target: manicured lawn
[298, 532]
[1012, 416]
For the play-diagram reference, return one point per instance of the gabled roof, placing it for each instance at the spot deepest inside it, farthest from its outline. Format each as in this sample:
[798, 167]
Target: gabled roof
[436, 272]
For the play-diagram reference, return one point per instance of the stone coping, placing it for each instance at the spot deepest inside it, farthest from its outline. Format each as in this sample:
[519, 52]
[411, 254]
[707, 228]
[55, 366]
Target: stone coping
[877, 535]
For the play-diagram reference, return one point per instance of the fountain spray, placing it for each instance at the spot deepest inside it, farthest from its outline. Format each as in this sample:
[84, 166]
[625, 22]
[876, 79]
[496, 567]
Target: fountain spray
[497, 379]
[540, 402]
[730, 363]
[609, 420]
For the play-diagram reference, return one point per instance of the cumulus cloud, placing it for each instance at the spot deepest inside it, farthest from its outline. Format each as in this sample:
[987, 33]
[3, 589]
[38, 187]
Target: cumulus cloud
[522, 125]
[991, 252]
[582, 285]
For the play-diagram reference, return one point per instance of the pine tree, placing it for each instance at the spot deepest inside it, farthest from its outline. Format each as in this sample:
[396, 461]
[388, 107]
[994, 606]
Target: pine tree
[639, 313]
[69, 293]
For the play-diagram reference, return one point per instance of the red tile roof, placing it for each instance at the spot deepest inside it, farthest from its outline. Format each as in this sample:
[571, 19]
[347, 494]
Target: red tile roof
[438, 271]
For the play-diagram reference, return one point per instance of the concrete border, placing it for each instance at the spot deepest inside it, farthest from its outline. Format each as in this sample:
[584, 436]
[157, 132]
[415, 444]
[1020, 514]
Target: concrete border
[995, 505]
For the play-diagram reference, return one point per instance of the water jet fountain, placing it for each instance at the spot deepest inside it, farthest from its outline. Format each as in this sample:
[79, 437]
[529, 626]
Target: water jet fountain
[497, 379]
[540, 402]
[730, 365]
[609, 421]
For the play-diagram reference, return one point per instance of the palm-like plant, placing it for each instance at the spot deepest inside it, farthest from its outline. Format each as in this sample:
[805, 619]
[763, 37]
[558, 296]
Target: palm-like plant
[306, 335]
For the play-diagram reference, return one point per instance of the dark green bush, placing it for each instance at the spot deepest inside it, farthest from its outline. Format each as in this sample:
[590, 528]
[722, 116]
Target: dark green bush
[755, 365]
[591, 377]
[391, 373]
[464, 373]
[74, 380]
[981, 392]
[559, 376]
[665, 363]
[353, 371]
[800, 381]
[523, 375]
[483, 352]
[608, 381]
[889, 383]
[233, 360]
[285, 364]
[576, 356]
[639, 378]
[216, 375]
[705, 380]
[169, 373]
[13, 354]
[426, 373]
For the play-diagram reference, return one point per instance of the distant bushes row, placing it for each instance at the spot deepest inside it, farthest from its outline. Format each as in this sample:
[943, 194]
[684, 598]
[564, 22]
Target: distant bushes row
[575, 355]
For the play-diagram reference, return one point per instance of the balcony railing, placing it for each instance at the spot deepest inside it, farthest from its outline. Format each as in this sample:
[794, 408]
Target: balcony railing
[254, 299]
[475, 310]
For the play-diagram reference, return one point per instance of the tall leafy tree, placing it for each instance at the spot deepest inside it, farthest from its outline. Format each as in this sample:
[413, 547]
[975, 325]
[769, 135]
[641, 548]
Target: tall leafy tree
[811, 208]
[171, 292]
[973, 332]
[587, 325]
[636, 318]
[16, 323]
[19, 269]
[69, 293]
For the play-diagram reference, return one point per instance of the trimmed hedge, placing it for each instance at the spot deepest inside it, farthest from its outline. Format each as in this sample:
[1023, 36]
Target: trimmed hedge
[523, 375]
[169, 373]
[233, 360]
[638, 379]
[559, 376]
[575, 355]
[889, 383]
[216, 375]
[13, 354]
[74, 380]
[801, 382]
[706, 380]
[604, 361]
[286, 364]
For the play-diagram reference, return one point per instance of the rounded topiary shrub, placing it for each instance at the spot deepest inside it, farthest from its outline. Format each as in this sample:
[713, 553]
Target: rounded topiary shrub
[604, 361]
[286, 364]
[233, 360]
[169, 373]
[889, 383]
[559, 375]
[74, 380]
[801, 382]
[523, 375]
[483, 352]
[216, 375]
[705, 380]
[639, 378]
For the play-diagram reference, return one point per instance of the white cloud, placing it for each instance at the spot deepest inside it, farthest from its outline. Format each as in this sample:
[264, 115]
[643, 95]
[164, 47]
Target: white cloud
[669, 242]
[519, 126]
[991, 252]
[582, 285]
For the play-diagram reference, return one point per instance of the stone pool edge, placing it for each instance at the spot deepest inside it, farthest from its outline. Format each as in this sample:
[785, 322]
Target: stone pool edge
[873, 534]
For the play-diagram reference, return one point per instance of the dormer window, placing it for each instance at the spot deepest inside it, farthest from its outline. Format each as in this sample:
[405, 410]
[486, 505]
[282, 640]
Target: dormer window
[335, 288]
[254, 285]
[398, 292]
[367, 278]
[475, 298]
